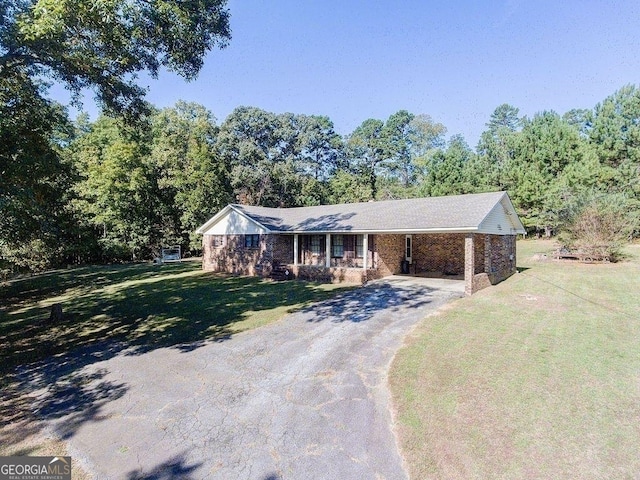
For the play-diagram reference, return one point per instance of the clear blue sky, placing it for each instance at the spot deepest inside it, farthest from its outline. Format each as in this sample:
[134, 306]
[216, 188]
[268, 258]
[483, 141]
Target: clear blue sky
[454, 60]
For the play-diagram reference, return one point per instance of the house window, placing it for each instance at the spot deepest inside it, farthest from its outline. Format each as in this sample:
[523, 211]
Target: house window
[251, 241]
[337, 246]
[359, 246]
[315, 244]
[218, 241]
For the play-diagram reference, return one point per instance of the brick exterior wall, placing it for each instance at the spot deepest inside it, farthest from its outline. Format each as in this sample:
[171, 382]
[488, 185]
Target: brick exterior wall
[501, 260]
[329, 275]
[442, 253]
[479, 245]
[388, 253]
[492, 257]
[283, 249]
[495, 261]
[233, 257]
[432, 253]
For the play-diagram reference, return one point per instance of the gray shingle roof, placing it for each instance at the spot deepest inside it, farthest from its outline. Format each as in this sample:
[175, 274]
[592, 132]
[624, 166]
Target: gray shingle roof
[456, 212]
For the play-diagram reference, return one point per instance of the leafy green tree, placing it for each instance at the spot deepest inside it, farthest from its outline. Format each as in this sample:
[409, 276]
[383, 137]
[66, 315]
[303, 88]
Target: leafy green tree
[34, 178]
[272, 158]
[249, 143]
[313, 192]
[189, 180]
[549, 142]
[103, 44]
[321, 148]
[368, 149]
[496, 149]
[115, 190]
[425, 135]
[349, 187]
[580, 118]
[409, 140]
[505, 116]
[407, 137]
[100, 45]
[616, 127]
[397, 136]
[29, 157]
[580, 178]
[144, 189]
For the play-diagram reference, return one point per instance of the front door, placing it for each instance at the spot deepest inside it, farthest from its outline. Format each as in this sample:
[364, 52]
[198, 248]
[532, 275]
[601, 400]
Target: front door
[408, 250]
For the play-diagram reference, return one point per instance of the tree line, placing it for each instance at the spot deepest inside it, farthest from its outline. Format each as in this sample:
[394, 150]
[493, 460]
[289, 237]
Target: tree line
[108, 190]
[138, 177]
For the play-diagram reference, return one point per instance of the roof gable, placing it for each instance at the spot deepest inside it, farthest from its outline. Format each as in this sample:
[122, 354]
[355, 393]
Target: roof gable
[230, 220]
[502, 219]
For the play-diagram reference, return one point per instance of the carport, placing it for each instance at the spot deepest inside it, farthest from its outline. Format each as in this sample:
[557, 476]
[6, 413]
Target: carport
[480, 259]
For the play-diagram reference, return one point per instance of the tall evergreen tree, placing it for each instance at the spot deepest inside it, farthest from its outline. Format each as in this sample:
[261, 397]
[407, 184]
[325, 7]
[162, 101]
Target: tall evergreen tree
[616, 138]
[496, 148]
[547, 146]
[446, 170]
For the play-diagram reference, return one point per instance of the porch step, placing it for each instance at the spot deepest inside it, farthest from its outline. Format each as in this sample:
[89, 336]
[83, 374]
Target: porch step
[280, 273]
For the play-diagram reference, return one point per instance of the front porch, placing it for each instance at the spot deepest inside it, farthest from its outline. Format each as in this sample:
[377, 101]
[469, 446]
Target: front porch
[478, 259]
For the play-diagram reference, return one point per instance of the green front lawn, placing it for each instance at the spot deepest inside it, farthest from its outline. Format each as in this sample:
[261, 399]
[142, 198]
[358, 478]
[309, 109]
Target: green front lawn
[538, 377]
[111, 308]
[140, 306]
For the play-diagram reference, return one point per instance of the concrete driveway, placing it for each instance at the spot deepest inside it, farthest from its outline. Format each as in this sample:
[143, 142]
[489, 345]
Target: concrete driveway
[305, 397]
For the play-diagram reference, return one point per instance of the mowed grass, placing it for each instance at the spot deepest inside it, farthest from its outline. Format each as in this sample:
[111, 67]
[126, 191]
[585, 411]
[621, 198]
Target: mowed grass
[538, 377]
[139, 306]
[108, 309]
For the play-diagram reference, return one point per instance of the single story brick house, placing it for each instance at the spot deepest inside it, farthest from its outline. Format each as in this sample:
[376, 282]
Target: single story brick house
[472, 235]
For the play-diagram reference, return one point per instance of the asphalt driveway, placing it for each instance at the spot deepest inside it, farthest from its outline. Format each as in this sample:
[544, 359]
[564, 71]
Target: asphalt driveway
[305, 397]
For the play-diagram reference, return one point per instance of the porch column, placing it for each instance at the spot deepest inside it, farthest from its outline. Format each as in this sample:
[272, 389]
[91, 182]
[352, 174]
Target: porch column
[469, 263]
[365, 250]
[295, 249]
[327, 244]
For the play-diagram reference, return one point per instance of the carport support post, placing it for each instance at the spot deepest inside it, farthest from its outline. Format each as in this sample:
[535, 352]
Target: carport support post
[469, 263]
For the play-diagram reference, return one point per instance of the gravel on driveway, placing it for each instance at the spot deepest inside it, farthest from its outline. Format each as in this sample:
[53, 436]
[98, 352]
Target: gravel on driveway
[305, 397]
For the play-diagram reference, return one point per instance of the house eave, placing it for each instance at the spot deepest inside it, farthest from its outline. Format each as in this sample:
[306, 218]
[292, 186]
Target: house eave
[354, 231]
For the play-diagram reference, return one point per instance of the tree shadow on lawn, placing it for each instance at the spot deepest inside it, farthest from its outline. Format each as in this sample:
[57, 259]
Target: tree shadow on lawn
[30, 288]
[179, 307]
